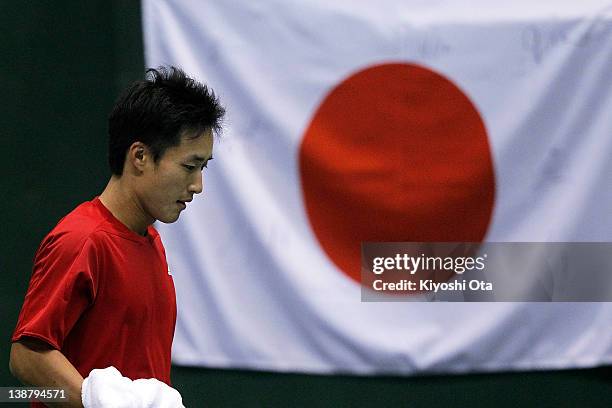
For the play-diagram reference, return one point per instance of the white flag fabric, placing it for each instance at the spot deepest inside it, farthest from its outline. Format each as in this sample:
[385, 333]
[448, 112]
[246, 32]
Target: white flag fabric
[391, 121]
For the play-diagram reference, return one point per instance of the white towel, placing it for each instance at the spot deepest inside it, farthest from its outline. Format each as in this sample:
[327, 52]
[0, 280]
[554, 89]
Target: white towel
[107, 388]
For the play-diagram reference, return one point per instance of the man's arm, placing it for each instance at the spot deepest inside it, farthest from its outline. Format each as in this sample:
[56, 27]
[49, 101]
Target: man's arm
[37, 364]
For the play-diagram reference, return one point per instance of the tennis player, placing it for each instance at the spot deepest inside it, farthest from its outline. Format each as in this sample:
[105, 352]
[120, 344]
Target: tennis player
[101, 294]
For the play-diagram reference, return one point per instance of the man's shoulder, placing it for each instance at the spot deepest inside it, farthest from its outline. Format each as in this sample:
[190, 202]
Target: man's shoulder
[78, 226]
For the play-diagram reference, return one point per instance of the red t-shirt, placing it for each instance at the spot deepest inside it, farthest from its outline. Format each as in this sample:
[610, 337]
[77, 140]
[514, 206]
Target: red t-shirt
[102, 295]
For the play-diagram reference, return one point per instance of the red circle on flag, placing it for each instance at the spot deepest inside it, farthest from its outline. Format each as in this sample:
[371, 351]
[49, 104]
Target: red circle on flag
[395, 152]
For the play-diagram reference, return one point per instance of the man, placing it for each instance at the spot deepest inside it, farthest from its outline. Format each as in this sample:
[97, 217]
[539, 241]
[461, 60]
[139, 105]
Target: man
[101, 293]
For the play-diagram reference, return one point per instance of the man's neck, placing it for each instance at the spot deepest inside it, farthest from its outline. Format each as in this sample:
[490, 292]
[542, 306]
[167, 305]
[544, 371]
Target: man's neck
[123, 203]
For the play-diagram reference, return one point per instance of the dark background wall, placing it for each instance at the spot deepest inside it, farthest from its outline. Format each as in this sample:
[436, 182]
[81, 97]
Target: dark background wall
[62, 65]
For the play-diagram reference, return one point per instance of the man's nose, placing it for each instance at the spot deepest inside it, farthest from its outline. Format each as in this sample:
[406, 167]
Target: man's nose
[197, 185]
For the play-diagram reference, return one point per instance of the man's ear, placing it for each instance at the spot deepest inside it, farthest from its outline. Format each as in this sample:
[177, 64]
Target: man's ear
[138, 156]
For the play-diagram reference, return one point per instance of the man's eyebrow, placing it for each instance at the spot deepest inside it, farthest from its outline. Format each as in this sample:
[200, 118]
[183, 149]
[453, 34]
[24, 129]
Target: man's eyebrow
[199, 158]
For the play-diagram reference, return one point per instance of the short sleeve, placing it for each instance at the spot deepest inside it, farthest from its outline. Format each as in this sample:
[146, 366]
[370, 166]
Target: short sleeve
[62, 287]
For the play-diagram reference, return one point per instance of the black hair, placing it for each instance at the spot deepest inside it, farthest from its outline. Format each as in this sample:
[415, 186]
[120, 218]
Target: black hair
[157, 111]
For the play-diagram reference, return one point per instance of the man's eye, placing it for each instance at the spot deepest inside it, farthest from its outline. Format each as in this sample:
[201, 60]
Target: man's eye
[205, 164]
[189, 167]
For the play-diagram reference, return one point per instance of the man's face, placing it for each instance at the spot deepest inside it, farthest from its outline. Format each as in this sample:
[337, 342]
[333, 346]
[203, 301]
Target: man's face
[167, 185]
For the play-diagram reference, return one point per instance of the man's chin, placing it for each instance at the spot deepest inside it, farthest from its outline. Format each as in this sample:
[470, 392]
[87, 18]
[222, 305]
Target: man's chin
[169, 219]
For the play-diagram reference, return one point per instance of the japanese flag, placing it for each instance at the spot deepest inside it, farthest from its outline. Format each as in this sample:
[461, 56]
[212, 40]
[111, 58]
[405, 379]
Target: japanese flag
[386, 121]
